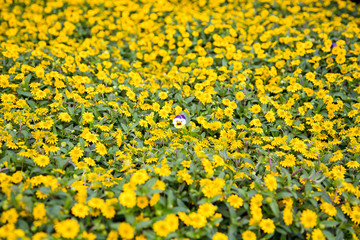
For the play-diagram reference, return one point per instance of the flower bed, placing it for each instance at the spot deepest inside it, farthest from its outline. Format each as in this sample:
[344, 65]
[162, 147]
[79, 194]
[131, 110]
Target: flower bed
[167, 119]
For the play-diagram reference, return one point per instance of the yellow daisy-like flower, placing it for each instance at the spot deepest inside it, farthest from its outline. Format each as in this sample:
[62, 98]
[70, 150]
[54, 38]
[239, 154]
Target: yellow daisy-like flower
[68, 228]
[207, 209]
[220, 236]
[328, 208]
[126, 231]
[267, 225]
[80, 210]
[128, 199]
[270, 182]
[65, 117]
[255, 108]
[42, 160]
[87, 117]
[248, 235]
[163, 95]
[235, 201]
[308, 218]
[142, 202]
[317, 234]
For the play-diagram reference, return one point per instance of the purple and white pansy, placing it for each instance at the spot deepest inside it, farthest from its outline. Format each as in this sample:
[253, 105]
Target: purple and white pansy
[179, 121]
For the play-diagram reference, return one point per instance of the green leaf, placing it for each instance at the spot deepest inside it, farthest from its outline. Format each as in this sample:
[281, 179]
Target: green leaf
[23, 93]
[67, 203]
[44, 190]
[308, 188]
[170, 197]
[124, 127]
[330, 223]
[341, 215]
[54, 210]
[339, 234]
[151, 182]
[325, 196]
[232, 232]
[275, 208]
[189, 99]
[328, 235]
[143, 224]
[130, 218]
[182, 205]
[23, 225]
[27, 81]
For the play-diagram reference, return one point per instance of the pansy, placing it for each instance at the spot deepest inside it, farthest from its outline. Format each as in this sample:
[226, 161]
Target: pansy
[333, 44]
[179, 121]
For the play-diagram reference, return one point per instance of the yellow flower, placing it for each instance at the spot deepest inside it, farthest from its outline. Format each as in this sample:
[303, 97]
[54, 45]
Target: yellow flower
[141, 237]
[161, 228]
[288, 216]
[68, 228]
[235, 201]
[42, 160]
[65, 117]
[139, 177]
[248, 235]
[257, 200]
[90, 137]
[267, 225]
[255, 122]
[108, 211]
[353, 164]
[101, 149]
[4, 82]
[40, 195]
[80, 210]
[17, 177]
[212, 188]
[228, 112]
[270, 116]
[219, 236]
[328, 208]
[126, 231]
[255, 108]
[317, 234]
[40, 236]
[355, 215]
[173, 222]
[159, 185]
[88, 236]
[11, 216]
[96, 203]
[163, 95]
[155, 198]
[289, 161]
[197, 220]
[76, 153]
[308, 218]
[128, 199]
[240, 96]
[142, 202]
[207, 209]
[39, 211]
[270, 182]
[87, 117]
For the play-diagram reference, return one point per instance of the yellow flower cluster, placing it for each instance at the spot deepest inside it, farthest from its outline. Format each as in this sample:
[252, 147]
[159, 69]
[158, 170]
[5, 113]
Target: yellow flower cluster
[265, 95]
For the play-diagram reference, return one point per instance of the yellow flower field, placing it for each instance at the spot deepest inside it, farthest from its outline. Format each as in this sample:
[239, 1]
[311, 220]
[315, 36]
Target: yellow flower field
[179, 119]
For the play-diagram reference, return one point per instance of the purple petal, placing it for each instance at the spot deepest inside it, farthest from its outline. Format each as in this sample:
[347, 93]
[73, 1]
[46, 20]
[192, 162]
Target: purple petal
[181, 116]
